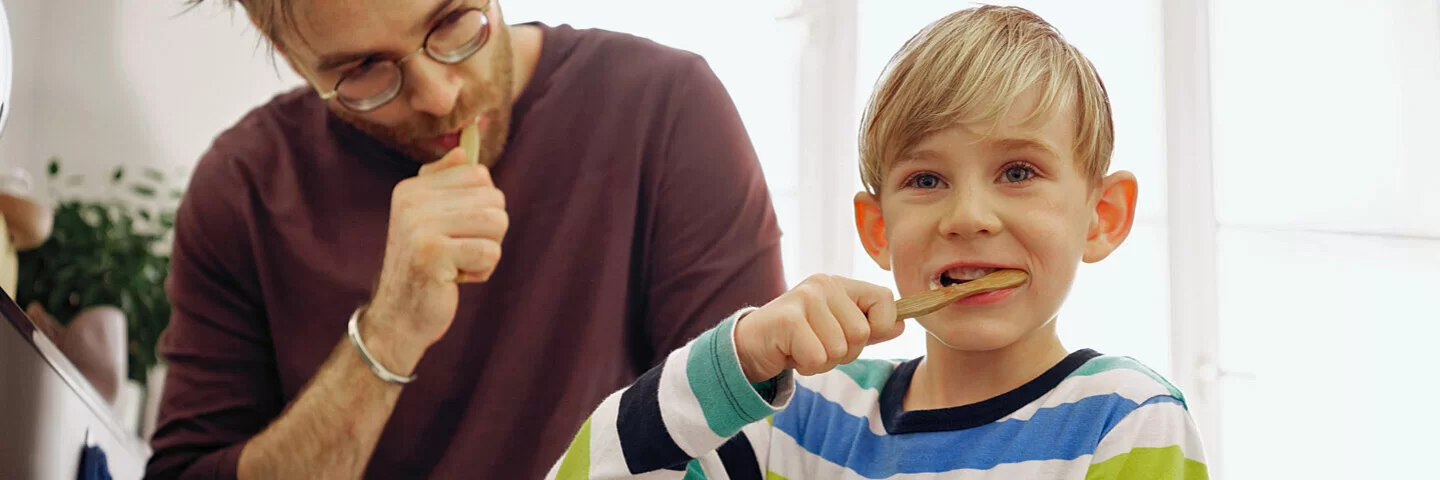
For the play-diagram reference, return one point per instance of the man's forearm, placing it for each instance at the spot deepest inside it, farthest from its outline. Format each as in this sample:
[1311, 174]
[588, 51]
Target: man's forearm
[331, 428]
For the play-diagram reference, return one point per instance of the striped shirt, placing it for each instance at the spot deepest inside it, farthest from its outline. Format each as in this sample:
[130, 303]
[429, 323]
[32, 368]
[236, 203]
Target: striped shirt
[696, 417]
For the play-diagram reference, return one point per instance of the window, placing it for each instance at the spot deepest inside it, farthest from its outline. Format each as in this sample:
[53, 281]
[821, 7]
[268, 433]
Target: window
[1328, 218]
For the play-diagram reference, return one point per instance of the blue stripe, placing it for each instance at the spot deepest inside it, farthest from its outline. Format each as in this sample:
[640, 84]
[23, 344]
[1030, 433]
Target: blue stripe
[1063, 432]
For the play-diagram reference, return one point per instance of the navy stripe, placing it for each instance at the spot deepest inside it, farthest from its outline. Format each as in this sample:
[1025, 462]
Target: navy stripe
[898, 421]
[644, 439]
[1063, 432]
[739, 459]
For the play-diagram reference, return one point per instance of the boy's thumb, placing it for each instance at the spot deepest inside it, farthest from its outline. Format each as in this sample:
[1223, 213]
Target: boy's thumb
[884, 324]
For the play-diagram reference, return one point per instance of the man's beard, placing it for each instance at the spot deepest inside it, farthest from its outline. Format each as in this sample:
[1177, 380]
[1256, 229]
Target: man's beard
[492, 98]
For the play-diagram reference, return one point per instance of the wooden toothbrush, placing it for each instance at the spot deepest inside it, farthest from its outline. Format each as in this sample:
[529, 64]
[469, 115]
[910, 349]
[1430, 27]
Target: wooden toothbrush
[470, 141]
[928, 302]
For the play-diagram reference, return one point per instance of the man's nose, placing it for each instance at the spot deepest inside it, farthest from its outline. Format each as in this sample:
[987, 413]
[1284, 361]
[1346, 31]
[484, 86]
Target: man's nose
[434, 87]
[971, 215]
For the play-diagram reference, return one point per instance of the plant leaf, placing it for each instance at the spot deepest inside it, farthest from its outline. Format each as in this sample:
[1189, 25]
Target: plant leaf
[105, 253]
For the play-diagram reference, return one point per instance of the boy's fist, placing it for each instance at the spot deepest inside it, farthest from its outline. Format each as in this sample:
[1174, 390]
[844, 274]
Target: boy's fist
[823, 322]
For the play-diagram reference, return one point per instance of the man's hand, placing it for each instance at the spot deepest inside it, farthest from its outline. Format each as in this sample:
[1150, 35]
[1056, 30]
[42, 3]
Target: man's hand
[446, 226]
[823, 322]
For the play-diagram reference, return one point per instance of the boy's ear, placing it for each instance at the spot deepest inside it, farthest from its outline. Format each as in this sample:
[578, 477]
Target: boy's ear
[871, 226]
[1113, 216]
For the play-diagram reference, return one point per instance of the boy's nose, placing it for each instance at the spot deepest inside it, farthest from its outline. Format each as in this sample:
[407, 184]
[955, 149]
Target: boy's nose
[970, 216]
[433, 87]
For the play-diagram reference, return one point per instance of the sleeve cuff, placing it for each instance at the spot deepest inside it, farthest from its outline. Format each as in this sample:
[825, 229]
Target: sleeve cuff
[774, 392]
[728, 399]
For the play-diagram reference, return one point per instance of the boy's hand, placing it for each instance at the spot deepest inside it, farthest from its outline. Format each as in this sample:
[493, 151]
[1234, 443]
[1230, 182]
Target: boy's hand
[823, 322]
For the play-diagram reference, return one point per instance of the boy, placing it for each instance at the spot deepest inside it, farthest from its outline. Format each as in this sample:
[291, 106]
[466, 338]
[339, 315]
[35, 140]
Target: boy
[984, 147]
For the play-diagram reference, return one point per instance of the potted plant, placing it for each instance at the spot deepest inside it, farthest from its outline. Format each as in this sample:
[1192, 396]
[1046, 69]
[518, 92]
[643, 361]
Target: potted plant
[109, 246]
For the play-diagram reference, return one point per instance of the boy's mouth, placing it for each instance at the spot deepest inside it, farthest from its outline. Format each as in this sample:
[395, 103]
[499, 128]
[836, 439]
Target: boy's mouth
[958, 274]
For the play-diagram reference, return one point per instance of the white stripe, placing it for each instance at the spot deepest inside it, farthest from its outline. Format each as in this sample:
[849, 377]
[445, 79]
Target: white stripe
[606, 458]
[680, 409]
[1153, 426]
[758, 434]
[713, 467]
[857, 401]
[1130, 384]
[792, 461]
[555, 469]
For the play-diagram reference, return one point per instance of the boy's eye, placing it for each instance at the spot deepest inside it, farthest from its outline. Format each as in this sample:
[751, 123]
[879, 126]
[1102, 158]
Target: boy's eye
[1017, 172]
[924, 180]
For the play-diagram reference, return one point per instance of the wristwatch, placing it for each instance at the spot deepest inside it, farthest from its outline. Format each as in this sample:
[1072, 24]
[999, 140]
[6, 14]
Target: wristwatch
[380, 370]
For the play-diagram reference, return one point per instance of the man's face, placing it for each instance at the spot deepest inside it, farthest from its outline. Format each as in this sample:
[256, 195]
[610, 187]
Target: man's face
[962, 203]
[328, 38]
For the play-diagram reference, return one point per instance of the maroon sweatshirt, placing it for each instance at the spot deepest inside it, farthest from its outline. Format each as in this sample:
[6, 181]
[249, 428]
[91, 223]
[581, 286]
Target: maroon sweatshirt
[639, 218]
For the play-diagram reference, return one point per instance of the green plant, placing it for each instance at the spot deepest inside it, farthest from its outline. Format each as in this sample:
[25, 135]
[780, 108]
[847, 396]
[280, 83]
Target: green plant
[108, 249]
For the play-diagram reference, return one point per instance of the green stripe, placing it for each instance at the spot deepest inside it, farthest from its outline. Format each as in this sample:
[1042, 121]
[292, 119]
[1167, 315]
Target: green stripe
[726, 397]
[577, 459]
[774, 476]
[1167, 463]
[868, 373]
[693, 471]
[1107, 363]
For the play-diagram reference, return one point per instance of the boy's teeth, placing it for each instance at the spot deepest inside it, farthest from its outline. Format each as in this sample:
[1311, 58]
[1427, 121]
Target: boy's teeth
[967, 274]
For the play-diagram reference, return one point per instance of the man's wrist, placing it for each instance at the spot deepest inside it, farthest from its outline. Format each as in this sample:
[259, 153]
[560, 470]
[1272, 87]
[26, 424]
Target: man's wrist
[393, 348]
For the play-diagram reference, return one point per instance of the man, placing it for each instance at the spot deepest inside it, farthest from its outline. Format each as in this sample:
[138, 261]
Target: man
[342, 304]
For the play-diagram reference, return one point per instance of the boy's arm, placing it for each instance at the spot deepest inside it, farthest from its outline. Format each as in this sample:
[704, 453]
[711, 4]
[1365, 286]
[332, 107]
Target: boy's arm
[1158, 440]
[683, 409]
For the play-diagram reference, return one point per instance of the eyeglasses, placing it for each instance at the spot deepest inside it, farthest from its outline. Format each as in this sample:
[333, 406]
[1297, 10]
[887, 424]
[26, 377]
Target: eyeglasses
[375, 83]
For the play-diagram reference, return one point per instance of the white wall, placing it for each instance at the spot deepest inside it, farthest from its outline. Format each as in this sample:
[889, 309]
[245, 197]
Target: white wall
[15, 139]
[104, 83]
[1327, 207]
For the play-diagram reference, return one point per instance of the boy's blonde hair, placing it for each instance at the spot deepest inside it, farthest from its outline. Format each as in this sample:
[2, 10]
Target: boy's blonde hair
[968, 68]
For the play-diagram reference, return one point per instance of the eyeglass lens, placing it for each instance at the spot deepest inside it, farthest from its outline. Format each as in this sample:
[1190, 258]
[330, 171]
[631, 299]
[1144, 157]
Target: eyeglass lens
[453, 40]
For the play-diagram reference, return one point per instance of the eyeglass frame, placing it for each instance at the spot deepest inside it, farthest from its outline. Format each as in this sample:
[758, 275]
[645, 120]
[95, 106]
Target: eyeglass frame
[424, 44]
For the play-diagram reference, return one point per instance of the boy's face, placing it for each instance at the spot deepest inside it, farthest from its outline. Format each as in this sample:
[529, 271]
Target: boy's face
[960, 203]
